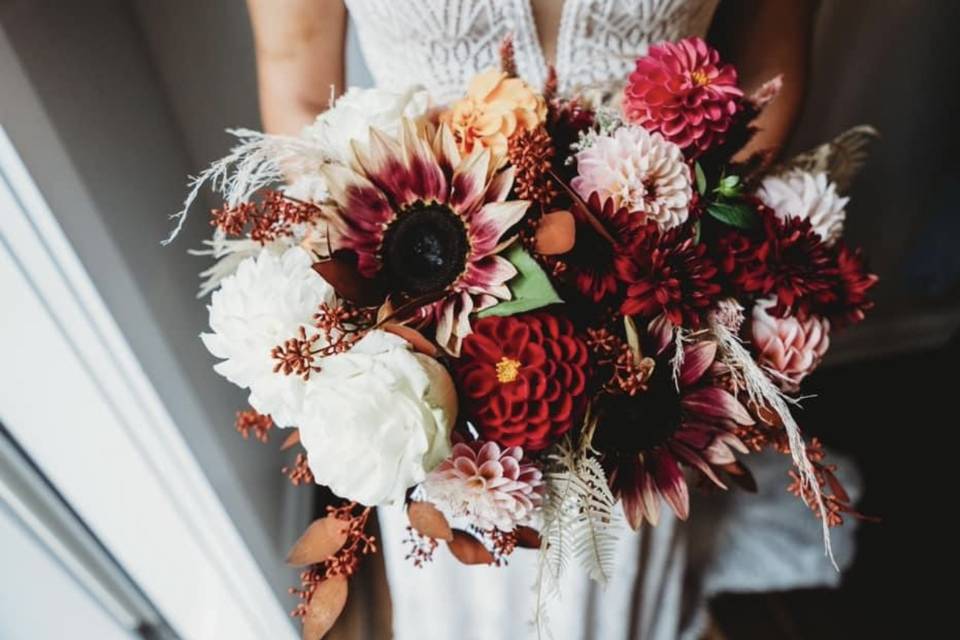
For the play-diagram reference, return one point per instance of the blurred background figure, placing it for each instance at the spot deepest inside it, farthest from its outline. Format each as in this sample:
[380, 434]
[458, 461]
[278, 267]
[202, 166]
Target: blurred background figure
[106, 105]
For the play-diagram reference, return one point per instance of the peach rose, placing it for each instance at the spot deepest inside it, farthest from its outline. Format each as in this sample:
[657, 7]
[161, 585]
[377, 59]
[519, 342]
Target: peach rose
[496, 106]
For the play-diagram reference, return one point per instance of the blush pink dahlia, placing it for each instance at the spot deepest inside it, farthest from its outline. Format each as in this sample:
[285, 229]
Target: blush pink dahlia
[789, 348]
[640, 172]
[683, 91]
[427, 221]
[492, 487]
[647, 438]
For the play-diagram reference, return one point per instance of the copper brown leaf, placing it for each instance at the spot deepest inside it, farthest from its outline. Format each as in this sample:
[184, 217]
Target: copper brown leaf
[556, 233]
[322, 539]
[414, 337]
[427, 520]
[527, 537]
[341, 271]
[291, 440]
[326, 605]
[468, 549]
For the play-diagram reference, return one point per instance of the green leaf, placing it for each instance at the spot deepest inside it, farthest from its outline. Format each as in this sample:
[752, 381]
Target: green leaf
[697, 228]
[531, 287]
[737, 214]
[701, 178]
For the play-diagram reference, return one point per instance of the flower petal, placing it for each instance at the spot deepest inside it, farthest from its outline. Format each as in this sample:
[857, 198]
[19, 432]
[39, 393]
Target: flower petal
[717, 403]
[697, 358]
[672, 485]
[488, 224]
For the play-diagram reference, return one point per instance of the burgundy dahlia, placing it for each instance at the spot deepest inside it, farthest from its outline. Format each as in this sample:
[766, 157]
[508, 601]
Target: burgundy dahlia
[523, 379]
[786, 259]
[848, 303]
[684, 92]
[668, 273]
[646, 438]
[591, 264]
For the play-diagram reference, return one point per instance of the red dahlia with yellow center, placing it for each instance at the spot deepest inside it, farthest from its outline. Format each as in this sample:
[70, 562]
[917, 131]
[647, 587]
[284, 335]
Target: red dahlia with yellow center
[523, 379]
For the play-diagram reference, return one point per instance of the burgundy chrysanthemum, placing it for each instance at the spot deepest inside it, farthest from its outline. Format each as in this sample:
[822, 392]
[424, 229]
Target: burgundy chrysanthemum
[668, 273]
[591, 265]
[523, 379]
[684, 92]
[645, 438]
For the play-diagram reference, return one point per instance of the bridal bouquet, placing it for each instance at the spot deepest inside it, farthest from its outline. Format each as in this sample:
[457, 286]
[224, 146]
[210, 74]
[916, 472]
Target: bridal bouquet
[529, 316]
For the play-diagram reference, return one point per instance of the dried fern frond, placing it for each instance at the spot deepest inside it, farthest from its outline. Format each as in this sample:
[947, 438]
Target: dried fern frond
[842, 158]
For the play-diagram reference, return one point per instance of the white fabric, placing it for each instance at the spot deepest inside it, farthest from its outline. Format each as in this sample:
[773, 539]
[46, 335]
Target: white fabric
[734, 541]
[440, 44]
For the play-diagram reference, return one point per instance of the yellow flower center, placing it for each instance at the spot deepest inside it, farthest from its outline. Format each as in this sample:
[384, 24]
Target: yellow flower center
[508, 369]
[699, 78]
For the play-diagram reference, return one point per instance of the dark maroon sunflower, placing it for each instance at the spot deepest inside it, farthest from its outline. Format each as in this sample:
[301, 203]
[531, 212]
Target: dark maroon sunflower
[669, 273]
[645, 439]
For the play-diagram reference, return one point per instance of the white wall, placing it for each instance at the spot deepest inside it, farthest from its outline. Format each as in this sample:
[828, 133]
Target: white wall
[84, 105]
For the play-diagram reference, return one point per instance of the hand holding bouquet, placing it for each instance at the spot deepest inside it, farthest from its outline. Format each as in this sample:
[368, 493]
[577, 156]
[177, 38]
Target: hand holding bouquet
[528, 315]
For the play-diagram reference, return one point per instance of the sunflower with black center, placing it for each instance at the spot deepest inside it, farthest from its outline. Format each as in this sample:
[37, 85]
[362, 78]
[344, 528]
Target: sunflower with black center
[427, 221]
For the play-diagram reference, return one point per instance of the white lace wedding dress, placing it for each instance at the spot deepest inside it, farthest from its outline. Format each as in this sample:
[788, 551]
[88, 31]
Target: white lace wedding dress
[733, 542]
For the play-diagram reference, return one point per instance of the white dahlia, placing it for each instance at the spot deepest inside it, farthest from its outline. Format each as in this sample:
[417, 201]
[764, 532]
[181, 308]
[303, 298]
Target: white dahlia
[356, 111]
[490, 486]
[789, 348]
[377, 419]
[640, 171]
[801, 194]
[266, 302]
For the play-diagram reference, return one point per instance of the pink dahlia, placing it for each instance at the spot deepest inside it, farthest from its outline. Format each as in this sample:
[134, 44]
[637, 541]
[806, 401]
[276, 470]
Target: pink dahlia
[684, 92]
[427, 222]
[789, 348]
[641, 172]
[647, 438]
[492, 487]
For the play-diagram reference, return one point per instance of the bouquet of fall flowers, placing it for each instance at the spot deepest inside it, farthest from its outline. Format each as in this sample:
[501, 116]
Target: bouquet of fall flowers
[529, 315]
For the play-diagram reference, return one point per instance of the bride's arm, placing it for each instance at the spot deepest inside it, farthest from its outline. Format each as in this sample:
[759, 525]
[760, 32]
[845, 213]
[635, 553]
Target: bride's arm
[764, 38]
[299, 47]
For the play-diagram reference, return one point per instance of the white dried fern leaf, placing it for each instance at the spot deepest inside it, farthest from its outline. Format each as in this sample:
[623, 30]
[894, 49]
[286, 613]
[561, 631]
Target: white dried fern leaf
[578, 524]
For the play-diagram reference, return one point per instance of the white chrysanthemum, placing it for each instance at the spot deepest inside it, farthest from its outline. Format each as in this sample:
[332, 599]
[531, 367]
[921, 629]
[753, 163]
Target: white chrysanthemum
[641, 171]
[356, 111]
[802, 194]
[376, 419]
[266, 302]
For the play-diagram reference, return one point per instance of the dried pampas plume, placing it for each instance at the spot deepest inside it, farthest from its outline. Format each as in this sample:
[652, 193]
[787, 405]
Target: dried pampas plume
[259, 160]
[762, 392]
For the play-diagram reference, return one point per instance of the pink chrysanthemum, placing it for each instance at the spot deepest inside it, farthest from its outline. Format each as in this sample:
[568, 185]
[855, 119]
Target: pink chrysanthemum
[646, 438]
[428, 222]
[490, 486]
[684, 92]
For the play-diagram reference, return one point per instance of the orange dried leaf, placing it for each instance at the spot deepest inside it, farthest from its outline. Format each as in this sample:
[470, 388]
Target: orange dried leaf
[556, 233]
[322, 539]
[527, 537]
[326, 605]
[414, 337]
[468, 549]
[427, 520]
[291, 440]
